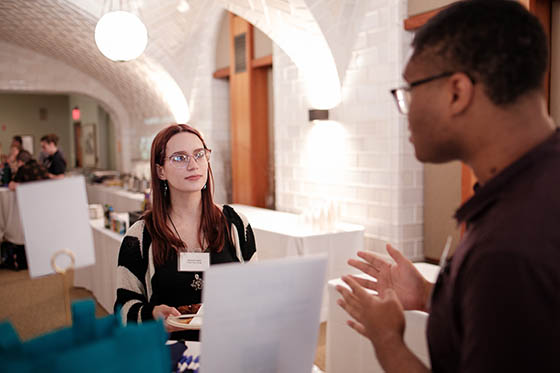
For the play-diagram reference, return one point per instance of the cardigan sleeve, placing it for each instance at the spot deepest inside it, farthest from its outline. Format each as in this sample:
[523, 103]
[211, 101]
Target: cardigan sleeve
[132, 299]
[243, 236]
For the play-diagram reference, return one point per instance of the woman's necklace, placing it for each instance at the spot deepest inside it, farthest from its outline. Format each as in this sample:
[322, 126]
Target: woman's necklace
[178, 235]
[176, 231]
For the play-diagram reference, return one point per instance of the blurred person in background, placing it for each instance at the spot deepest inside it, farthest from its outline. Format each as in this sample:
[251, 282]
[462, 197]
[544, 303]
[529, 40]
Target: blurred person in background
[55, 162]
[9, 167]
[28, 170]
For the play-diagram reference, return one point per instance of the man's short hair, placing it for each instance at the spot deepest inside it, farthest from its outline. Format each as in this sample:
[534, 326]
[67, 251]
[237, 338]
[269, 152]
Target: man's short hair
[24, 156]
[496, 42]
[50, 138]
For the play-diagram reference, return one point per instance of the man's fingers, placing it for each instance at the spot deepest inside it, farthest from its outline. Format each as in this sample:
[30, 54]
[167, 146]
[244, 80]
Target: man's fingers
[377, 261]
[357, 327]
[356, 288]
[354, 310]
[396, 254]
[347, 295]
[364, 267]
[368, 284]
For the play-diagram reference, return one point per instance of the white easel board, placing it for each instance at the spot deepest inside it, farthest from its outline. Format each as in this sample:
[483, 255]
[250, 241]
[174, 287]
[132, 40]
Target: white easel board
[55, 216]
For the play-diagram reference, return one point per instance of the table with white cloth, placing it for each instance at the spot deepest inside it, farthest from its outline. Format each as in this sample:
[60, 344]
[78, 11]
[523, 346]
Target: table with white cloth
[348, 351]
[101, 278]
[281, 234]
[120, 199]
[11, 228]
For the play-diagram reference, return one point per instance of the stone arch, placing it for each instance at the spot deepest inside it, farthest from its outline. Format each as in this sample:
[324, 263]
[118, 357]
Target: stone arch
[25, 71]
[314, 34]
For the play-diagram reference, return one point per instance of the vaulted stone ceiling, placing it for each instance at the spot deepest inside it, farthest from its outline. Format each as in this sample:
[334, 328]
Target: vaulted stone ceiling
[157, 85]
[65, 31]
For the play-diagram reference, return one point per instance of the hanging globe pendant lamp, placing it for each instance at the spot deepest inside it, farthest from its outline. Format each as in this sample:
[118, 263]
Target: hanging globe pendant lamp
[121, 36]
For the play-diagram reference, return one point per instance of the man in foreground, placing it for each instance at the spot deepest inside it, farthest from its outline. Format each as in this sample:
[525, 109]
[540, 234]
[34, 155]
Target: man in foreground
[475, 93]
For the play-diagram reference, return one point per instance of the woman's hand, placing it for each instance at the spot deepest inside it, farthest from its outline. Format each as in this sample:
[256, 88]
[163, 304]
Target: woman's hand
[163, 311]
[410, 287]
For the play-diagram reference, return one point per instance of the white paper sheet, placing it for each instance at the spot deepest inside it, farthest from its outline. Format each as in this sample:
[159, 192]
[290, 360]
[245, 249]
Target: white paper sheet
[55, 216]
[262, 317]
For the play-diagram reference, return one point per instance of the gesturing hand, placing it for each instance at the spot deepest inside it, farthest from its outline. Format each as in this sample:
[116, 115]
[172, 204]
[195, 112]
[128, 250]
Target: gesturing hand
[402, 277]
[380, 319]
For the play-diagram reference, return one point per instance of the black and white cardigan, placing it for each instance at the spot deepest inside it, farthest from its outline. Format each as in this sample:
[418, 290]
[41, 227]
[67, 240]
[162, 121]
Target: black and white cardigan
[136, 269]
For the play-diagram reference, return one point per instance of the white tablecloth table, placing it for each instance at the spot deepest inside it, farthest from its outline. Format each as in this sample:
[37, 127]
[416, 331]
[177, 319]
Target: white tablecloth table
[281, 234]
[348, 351]
[101, 278]
[11, 228]
[121, 200]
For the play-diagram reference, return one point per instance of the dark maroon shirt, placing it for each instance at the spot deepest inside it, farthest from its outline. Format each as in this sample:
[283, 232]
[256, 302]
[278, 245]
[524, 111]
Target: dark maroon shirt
[496, 304]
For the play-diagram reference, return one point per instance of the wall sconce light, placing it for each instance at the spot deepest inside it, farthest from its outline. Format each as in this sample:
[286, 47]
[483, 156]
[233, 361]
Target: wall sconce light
[318, 114]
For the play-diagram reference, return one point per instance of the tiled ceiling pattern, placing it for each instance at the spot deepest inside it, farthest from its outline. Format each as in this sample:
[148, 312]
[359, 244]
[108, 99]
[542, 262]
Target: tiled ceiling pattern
[65, 32]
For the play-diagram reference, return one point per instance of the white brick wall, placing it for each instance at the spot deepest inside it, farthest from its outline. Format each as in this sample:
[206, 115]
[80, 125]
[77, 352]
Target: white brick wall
[366, 163]
[209, 97]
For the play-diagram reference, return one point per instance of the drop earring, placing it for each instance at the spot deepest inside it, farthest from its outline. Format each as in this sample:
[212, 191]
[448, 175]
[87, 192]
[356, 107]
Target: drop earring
[204, 187]
[165, 188]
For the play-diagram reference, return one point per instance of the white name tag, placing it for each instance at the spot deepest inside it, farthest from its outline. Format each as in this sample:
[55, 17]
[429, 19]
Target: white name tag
[194, 262]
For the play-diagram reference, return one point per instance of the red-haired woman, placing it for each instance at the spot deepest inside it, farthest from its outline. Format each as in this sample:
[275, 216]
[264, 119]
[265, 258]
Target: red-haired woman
[154, 276]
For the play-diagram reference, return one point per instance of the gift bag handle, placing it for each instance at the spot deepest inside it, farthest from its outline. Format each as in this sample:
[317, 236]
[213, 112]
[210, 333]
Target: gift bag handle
[83, 321]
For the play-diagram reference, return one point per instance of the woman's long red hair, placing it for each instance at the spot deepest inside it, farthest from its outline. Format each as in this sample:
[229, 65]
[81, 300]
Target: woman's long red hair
[213, 225]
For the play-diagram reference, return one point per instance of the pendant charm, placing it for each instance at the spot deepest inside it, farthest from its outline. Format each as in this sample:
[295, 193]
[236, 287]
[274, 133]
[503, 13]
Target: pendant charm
[197, 282]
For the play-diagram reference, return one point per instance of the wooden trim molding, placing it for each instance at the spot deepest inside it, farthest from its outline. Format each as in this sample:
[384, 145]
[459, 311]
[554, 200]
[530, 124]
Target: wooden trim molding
[265, 61]
[221, 73]
[416, 21]
[256, 63]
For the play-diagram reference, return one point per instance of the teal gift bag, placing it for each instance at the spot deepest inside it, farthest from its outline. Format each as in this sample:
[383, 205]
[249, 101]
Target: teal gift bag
[89, 345]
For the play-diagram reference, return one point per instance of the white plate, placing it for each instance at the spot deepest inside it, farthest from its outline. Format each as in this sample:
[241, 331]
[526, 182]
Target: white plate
[195, 323]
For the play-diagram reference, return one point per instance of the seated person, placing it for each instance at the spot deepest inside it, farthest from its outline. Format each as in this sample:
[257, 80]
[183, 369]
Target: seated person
[17, 141]
[28, 170]
[12, 155]
[9, 164]
[183, 219]
[55, 162]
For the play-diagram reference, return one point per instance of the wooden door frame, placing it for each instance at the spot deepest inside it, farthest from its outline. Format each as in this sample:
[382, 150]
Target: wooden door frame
[77, 144]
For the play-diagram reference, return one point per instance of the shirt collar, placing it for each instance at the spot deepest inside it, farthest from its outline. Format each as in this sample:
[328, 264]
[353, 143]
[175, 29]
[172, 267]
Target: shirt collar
[486, 195]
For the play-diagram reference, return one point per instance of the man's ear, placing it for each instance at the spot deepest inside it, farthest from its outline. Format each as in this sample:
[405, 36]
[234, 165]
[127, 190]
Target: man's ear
[462, 93]
[160, 172]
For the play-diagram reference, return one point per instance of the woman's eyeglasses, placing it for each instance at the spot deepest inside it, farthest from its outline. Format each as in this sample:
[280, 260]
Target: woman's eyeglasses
[181, 160]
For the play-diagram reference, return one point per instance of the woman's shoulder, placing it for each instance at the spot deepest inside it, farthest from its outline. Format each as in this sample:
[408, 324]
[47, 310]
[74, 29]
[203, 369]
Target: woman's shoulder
[136, 229]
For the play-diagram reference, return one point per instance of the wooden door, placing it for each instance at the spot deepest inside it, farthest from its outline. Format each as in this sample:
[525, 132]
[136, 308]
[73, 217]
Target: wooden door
[78, 144]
